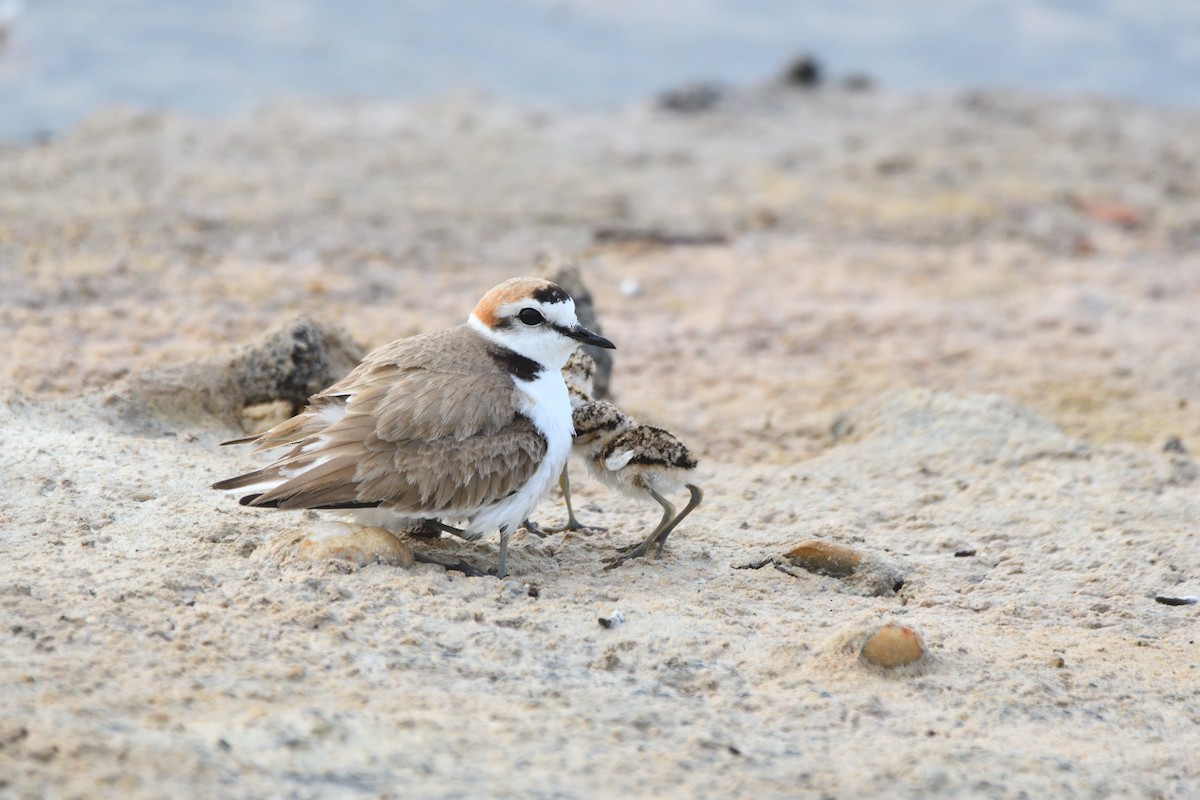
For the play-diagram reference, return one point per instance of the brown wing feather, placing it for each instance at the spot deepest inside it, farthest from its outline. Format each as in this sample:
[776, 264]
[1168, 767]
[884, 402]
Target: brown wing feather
[423, 477]
[304, 426]
[412, 476]
[426, 428]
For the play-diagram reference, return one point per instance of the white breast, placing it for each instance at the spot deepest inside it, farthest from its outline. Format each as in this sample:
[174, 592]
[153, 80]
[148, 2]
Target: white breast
[547, 405]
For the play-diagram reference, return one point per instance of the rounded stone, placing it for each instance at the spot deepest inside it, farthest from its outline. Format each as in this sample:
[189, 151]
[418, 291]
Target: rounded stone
[341, 541]
[825, 558]
[893, 645]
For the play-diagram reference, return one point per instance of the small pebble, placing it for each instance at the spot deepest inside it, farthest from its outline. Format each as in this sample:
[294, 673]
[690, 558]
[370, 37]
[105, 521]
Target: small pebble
[804, 71]
[964, 553]
[612, 620]
[893, 645]
[1174, 445]
[825, 558]
[1186, 600]
[1058, 662]
[842, 426]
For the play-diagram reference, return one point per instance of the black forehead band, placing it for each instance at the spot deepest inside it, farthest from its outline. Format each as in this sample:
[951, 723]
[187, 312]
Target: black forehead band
[551, 294]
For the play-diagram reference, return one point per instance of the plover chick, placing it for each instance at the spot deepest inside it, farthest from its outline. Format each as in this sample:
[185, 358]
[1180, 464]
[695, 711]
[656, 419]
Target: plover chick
[579, 374]
[639, 461]
[470, 423]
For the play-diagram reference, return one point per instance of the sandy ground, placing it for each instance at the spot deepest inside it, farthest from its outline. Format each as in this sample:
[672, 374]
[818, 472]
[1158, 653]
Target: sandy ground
[917, 326]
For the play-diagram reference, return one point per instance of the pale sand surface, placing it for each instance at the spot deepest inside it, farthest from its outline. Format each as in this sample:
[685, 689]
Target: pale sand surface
[937, 324]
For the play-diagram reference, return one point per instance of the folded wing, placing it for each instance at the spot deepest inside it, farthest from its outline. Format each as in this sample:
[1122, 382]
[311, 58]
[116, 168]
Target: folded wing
[416, 436]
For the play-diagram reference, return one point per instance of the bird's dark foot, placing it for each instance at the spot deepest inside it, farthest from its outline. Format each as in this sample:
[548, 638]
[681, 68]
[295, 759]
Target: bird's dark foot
[536, 529]
[423, 532]
[452, 566]
[573, 524]
[627, 554]
[641, 548]
[432, 529]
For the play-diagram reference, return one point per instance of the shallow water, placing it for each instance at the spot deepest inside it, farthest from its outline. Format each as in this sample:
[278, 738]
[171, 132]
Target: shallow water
[61, 59]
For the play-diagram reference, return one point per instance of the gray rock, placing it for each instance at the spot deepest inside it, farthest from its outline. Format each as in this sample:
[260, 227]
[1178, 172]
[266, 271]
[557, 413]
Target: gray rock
[290, 363]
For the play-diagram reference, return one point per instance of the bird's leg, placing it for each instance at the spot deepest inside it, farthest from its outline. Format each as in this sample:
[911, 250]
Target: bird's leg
[639, 550]
[697, 495]
[573, 524]
[663, 524]
[501, 570]
[451, 566]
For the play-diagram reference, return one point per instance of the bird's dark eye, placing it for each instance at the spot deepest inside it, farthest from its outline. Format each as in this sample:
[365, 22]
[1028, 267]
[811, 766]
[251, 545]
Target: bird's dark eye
[531, 316]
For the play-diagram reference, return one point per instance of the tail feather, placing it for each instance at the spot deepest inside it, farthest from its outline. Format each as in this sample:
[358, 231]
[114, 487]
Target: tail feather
[251, 500]
[260, 478]
[243, 440]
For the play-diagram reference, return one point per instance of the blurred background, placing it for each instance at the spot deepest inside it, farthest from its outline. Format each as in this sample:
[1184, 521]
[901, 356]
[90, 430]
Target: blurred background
[60, 59]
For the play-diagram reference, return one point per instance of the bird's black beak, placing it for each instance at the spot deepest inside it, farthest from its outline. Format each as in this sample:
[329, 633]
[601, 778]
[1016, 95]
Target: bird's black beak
[584, 336]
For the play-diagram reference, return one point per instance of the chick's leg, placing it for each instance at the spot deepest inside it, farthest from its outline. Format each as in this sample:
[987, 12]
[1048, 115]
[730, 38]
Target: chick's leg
[640, 549]
[697, 496]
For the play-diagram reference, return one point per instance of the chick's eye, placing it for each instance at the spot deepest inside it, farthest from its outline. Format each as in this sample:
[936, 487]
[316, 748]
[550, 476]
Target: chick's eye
[531, 316]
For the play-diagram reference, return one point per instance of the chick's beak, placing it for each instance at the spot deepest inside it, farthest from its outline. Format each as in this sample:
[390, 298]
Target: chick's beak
[584, 336]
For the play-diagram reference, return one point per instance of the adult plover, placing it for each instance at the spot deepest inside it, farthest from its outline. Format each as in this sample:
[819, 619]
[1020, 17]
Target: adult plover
[640, 461]
[469, 423]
